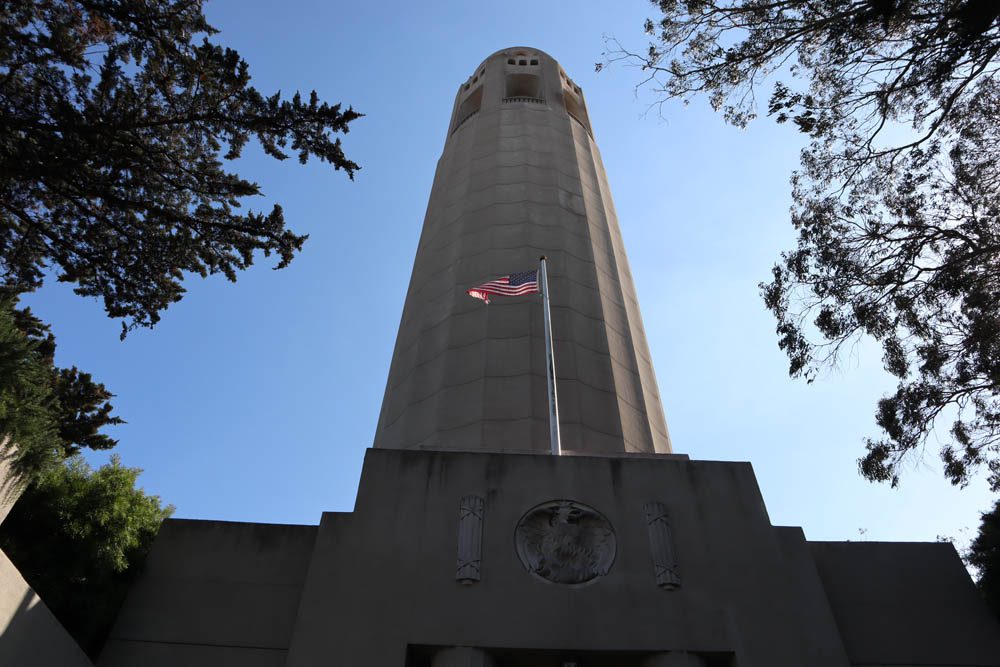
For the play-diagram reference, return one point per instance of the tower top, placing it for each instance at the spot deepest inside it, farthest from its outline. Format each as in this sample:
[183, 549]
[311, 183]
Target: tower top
[519, 51]
[518, 75]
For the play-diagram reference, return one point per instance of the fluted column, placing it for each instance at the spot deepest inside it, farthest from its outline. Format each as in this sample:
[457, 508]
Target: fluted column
[520, 177]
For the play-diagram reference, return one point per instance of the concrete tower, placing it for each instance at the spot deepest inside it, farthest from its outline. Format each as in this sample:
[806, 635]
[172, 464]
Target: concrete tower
[462, 551]
[521, 176]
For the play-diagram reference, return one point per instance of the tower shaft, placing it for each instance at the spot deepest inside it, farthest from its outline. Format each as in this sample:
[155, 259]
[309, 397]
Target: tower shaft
[520, 177]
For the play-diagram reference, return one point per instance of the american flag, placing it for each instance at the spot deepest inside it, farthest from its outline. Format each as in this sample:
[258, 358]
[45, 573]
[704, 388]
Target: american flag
[515, 284]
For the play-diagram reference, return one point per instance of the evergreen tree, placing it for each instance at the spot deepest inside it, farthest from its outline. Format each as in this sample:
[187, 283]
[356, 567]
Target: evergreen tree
[46, 413]
[984, 555]
[116, 120]
[115, 116]
[78, 536]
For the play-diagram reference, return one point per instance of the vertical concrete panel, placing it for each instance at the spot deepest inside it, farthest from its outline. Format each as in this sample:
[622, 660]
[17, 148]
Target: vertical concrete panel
[462, 657]
[30, 636]
[213, 593]
[10, 487]
[520, 176]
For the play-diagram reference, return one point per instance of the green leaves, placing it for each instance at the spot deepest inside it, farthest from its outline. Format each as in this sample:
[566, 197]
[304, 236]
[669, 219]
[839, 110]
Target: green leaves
[47, 413]
[79, 534]
[984, 555]
[115, 117]
[28, 425]
[896, 201]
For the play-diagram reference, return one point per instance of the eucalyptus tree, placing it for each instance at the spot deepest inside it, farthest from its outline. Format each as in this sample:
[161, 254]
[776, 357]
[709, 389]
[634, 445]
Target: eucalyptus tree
[896, 201]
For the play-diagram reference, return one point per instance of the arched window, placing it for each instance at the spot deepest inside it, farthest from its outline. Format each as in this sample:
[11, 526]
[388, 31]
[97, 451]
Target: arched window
[573, 100]
[469, 107]
[523, 88]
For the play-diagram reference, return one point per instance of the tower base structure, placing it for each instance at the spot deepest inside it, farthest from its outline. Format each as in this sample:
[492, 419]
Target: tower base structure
[456, 559]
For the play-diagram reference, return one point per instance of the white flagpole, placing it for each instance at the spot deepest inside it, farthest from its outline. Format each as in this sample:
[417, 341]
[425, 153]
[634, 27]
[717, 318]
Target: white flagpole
[550, 362]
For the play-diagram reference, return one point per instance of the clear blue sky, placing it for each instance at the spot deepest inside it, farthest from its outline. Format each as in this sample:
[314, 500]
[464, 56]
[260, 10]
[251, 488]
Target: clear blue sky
[255, 401]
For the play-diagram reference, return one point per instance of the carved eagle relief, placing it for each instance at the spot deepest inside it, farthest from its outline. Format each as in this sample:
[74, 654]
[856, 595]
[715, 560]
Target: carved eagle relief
[565, 542]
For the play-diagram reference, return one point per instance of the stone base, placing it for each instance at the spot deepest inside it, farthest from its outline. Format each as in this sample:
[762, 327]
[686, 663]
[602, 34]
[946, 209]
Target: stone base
[570, 561]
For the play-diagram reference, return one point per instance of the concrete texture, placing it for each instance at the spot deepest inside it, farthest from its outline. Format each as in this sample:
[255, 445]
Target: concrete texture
[675, 659]
[213, 593]
[882, 595]
[521, 176]
[383, 577]
[462, 657]
[748, 589]
[30, 636]
[10, 488]
[378, 586]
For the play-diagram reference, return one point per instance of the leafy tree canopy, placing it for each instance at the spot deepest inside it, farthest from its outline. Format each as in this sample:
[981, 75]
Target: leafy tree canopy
[48, 413]
[114, 118]
[77, 535]
[984, 555]
[897, 199]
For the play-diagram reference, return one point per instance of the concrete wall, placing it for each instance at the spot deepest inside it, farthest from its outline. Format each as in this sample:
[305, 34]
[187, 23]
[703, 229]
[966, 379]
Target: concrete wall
[30, 636]
[10, 489]
[520, 178]
[383, 578]
[378, 586]
[213, 594]
[906, 604]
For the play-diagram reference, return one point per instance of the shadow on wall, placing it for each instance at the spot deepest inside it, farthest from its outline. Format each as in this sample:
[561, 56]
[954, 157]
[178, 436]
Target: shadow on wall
[29, 633]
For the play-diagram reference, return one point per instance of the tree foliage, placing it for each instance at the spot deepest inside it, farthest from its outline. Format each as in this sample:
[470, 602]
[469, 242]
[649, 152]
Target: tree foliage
[25, 401]
[46, 413]
[896, 202]
[115, 116]
[984, 555]
[78, 535]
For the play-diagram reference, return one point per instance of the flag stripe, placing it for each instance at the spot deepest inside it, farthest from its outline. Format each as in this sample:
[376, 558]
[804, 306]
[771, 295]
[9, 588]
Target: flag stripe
[523, 289]
[516, 284]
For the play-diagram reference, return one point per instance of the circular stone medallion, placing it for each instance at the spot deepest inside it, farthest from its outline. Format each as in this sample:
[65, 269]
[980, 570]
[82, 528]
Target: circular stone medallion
[565, 542]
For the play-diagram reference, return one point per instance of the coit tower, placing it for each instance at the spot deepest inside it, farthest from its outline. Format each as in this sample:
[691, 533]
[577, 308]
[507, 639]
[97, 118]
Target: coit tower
[520, 177]
[464, 549]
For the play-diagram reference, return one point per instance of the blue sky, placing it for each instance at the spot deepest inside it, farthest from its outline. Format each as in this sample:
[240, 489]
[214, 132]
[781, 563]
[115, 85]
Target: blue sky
[255, 401]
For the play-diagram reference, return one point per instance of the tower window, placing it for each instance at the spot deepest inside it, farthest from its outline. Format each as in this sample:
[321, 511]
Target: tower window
[534, 61]
[470, 106]
[524, 86]
[522, 62]
[510, 61]
[575, 108]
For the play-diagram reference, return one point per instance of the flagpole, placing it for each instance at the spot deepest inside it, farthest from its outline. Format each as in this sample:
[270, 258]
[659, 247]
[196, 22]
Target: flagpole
[550, 363]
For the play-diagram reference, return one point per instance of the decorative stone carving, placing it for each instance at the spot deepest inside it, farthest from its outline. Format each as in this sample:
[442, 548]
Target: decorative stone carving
[470, 539]
[565, 542]
[661, 546]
